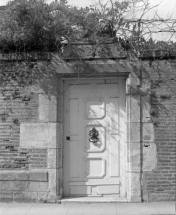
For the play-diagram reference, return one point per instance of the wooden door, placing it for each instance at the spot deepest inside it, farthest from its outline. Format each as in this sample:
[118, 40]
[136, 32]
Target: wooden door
[95, 138]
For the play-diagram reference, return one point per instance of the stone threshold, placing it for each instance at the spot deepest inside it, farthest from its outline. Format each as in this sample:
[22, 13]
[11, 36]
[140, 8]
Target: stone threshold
[93, 200]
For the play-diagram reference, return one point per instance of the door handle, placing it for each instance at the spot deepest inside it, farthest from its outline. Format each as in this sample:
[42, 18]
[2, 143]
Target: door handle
[67, 138]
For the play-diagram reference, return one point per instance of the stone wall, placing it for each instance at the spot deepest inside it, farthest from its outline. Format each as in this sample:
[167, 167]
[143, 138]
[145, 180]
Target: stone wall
[23, 186]
[31, 127]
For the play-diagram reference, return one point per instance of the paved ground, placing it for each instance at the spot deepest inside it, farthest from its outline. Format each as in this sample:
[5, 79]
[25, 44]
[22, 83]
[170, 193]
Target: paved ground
[154, 208]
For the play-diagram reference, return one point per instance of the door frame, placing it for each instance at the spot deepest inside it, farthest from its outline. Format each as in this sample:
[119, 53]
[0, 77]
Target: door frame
[128, 181]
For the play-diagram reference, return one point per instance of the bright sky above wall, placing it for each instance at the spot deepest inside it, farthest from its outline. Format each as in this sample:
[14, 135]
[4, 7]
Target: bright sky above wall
[166, 8]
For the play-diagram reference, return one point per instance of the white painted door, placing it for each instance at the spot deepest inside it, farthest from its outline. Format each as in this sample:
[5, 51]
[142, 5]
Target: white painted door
[95, 165]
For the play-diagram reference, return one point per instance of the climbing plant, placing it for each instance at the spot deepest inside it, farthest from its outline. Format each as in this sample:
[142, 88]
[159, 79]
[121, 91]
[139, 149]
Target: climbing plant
[33, 25]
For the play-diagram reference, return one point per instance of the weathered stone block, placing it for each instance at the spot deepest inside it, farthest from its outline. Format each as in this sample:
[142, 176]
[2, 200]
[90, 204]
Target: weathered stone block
[52, 185]
[47, 108]
[156, 197]
[25, 196]
[60, 158]
[24, 176]
[6, 196]
[60, 176]
[38, 186]
[135, 157]
[42, 197]
[60, 108]
[52, 198]
[60, 136]
[36, 135]
[13, 185]
[134, 132]
[43, 109]
[54, 158]
[135, 185]
[55, 179]
[53, 108]
[149, 157]
[146, 106]
[61, 191]
[38, 176]
[134, 108]
[148, 132]
[13, 176]
[145, 197]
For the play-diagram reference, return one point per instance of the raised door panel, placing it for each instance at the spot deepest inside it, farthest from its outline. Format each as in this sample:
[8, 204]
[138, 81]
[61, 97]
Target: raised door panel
[95, 167]
[95, 109]
[74, 138]
[114, 137]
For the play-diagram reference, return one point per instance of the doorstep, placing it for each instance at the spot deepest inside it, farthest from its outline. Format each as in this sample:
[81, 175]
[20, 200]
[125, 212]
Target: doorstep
[93, 200]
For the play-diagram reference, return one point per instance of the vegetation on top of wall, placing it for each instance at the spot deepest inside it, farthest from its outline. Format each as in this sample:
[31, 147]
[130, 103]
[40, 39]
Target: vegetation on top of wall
[30, 25]
[33, 25]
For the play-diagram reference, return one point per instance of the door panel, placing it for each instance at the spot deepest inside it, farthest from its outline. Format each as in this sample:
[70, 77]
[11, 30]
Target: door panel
[95, 154]
[95, 167]
[107, 88]
[95, 109]
[80, 190]
[108, 189]
[74, 129]
[74, 162]
[79, 89]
